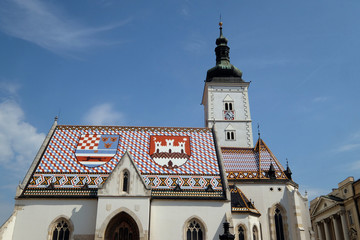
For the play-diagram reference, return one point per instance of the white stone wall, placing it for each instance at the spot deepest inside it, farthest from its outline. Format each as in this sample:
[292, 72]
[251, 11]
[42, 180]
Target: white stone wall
[34, 217]
[214, 96]
[137, 207]
[298, 226]
[248, 222]
[169, 217]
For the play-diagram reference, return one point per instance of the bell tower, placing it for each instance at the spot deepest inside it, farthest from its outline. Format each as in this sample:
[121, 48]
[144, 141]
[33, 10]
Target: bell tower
[226, 101]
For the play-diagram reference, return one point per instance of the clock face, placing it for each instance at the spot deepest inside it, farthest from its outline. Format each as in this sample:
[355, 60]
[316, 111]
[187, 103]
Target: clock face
[229, 115]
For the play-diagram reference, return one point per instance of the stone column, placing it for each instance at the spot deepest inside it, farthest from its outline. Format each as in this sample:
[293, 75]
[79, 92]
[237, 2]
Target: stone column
[344, 225]
[319, 231]
[336, 227]
[327, 230]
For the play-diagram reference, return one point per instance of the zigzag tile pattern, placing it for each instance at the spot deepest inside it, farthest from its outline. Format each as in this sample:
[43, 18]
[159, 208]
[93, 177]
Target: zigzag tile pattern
[251, 163]
[60, 167]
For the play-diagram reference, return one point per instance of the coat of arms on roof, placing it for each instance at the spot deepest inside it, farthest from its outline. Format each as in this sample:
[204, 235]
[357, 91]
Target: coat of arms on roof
[170, 151]
[95, 149]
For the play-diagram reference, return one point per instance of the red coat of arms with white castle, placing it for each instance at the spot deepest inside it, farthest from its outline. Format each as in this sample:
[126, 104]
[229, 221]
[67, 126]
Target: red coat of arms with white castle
[170, 151]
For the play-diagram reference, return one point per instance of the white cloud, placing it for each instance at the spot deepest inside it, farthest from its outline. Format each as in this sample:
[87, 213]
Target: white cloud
[320, 99]
[19, 140]
[43, 23]
[9, 89]
[355, 166]
[104, 114]
[348, 147]
[315, 192]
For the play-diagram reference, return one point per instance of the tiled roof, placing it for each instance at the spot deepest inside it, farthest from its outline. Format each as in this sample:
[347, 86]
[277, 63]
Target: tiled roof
[240, 203]
[60, 163]
[251, 163]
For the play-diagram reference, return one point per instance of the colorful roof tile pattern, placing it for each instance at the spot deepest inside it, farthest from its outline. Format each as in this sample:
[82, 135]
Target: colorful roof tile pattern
[79, 155]
[251, 163]
[240, 203]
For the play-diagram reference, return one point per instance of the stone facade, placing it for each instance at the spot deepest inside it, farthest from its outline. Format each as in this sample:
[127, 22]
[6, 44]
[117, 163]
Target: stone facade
[336, 215]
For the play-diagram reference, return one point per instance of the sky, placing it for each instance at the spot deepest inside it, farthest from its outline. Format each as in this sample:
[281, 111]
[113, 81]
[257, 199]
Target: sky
[143, 63]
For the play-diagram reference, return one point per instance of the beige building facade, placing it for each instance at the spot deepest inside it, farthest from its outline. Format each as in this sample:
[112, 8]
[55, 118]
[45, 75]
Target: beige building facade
[336, 215]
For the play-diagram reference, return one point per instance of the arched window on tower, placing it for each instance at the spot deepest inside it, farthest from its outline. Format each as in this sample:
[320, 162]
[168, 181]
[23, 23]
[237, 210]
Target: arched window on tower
[194, 230]
[279, 224]
[241, 232]
[61, 230]
[125, 182]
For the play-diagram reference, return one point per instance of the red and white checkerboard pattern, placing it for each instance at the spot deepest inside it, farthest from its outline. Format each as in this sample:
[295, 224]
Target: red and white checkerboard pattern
[89, 142]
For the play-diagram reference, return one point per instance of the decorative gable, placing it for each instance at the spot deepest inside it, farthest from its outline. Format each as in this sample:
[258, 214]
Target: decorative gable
[125, 180]
[251, 163]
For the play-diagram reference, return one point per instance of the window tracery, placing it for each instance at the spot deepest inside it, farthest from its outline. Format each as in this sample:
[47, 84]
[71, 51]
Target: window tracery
[194, 231]
[279, 225]
[241, 232]
[61, 230]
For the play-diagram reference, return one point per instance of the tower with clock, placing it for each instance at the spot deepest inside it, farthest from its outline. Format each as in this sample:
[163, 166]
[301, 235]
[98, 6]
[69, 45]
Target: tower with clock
[226, 101]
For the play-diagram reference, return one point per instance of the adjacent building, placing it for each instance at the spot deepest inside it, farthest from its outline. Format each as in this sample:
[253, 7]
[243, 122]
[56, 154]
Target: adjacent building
[336, 215]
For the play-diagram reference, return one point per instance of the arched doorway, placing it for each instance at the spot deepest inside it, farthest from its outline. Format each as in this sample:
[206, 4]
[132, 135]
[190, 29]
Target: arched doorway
[122, 227]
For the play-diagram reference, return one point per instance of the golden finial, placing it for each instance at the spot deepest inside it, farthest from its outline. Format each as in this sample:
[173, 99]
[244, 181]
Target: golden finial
[220, 24]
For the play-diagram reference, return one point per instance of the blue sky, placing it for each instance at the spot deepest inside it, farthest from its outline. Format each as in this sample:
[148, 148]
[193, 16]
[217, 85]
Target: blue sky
[143, 63]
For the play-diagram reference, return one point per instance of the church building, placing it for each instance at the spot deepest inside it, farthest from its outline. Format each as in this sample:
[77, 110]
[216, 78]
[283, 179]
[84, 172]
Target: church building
[161, 183]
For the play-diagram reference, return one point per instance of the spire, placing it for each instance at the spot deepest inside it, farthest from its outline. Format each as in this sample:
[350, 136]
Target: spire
[288, 172]
[222, 50]
[223, 68]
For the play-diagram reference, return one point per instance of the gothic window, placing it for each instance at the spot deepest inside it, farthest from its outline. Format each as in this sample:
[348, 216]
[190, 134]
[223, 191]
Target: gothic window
[230, 135]
[125, 182]
[255, 233]
[279, 225]
[194, 231]
[61, 230]
[241, 231]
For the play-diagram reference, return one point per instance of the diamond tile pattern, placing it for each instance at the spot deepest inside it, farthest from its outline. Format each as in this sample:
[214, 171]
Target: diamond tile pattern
[250, 163]
[59, 165]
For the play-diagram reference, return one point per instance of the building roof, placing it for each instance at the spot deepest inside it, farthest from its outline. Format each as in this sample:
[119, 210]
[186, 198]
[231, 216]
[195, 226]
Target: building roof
[78, 160]
[240, 203]
[251, 163]
[223, 71]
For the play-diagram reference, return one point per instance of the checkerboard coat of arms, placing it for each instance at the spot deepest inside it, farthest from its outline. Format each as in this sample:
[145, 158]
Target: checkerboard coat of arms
[94, 150]
[170, 151]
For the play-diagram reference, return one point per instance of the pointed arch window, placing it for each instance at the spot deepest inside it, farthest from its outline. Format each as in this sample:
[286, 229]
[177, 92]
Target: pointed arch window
[125, 181]
[194, 231]
[279, 225]
[61, 230]
[255, 233]
[241, 232]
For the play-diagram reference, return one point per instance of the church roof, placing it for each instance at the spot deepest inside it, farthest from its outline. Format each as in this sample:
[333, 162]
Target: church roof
[78, 160]
[240, 203]
[251, 163]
